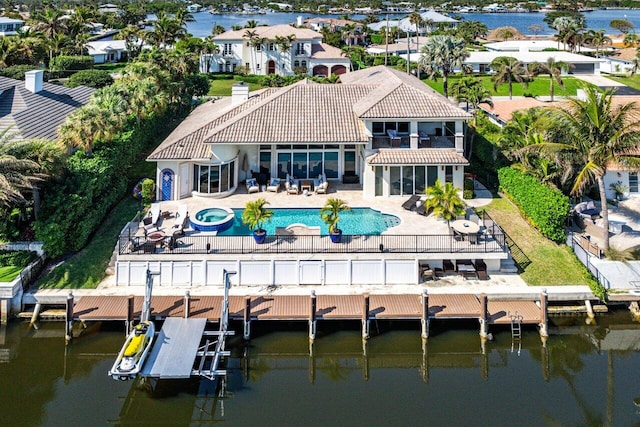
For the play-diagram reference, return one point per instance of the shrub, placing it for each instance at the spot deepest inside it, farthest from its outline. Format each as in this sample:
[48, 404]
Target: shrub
[64, 66]
[251, 78]
[467, 194]
[468, 184]
[17, 258]
[148, 191]
[91, 78]
[16, 71]
[544, 207]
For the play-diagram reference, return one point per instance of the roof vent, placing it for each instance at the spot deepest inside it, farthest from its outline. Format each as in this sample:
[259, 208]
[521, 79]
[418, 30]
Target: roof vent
[33, 80]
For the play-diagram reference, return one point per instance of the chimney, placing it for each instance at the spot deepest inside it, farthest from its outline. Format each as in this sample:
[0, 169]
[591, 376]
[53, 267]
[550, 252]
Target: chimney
[299, 21]
[239, 93]
[33, 80]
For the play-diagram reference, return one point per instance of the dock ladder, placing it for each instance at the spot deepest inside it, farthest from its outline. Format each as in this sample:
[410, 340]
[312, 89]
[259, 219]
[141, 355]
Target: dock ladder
[516, 331]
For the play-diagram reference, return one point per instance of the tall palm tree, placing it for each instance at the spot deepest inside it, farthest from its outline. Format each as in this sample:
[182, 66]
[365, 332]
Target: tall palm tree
[284, 45]
[630, 40]
[50, 24]
[635, 64]
[134, 40]
[597, 134]
[444, 200]
[508, 70]
[16, 177]
[442, 54]
[416, 20]
[598, 39]
[144, 98]
[554, 69]
[166, 30]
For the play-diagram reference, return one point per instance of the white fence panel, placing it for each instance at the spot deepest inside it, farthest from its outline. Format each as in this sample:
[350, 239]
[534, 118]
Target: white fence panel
[336, 272]
[215, 271]
[310, 272]
[256, 273]
[400, 272]
[367, 272]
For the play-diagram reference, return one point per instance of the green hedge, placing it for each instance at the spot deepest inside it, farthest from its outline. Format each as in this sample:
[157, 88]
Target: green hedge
[17, 258]
[64, 66]
[91, 78]
[544, 207]
[73, 208]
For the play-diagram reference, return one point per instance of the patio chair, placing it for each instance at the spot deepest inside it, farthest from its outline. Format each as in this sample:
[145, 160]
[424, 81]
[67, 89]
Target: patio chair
[252, 186]
[422, 209]
[134, 245]
[448, 267]
[274, 185]
[481, 270]
[148, 225]
[291, 185]
[322, 188]
[427, 273]
[410, 204]
[154, 213]
[394, 138]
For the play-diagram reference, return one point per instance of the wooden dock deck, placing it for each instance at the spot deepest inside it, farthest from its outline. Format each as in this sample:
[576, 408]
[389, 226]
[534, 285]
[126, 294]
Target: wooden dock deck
[298, 308]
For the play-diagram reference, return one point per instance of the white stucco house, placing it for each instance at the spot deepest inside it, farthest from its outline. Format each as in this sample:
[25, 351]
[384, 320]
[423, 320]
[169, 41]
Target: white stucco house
[619, 61]
[10, 26]
[380, 127]
[103, 51]
[258, 50]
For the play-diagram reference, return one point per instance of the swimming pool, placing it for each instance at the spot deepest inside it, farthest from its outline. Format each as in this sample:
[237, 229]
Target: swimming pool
[362, 221]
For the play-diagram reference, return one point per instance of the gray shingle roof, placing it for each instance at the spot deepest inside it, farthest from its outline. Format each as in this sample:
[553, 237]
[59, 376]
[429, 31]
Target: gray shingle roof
[38, 115]
[426, 156]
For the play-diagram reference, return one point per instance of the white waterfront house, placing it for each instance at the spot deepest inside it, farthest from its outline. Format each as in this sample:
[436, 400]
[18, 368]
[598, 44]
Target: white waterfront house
[581, 64]
[380, 127]
[103, 51]
[619, 61]
[10, 26]
[277, 49]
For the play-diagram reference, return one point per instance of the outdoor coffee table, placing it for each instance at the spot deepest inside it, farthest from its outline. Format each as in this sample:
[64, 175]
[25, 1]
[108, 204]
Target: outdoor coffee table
[306, 185]
[156, 237]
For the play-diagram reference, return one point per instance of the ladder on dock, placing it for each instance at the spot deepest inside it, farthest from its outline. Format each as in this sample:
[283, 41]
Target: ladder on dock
[516, 331]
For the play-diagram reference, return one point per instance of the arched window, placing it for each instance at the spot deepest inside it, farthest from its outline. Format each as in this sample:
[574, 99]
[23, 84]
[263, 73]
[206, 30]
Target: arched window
[210, 179]
[296, 64]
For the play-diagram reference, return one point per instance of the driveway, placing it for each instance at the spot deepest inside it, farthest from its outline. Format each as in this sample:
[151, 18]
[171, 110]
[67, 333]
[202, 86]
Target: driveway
[606, 83]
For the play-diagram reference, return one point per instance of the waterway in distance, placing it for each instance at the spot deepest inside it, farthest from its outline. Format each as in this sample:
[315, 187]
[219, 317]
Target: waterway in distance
[586, 375]
[595, 20]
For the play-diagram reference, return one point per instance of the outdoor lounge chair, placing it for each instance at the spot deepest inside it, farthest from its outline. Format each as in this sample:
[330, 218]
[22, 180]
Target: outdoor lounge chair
[448, 267]
[182, 217]
[274, 185]
[481, 270]
[410, 204]
[422, 209]
[154, 213]
[148, 225]
[322, 188]
[252, 186]
[291, 185]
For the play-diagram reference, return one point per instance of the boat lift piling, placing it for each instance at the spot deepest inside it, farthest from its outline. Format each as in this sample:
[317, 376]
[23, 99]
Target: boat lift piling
[247, 318]
[312, 317]
[68, 324]
[365, 318]
[425, 315]
[128, 327]
[187, 300]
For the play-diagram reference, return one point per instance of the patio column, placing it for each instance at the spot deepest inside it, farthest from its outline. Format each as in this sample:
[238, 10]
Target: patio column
[459, 137]
[413, 129]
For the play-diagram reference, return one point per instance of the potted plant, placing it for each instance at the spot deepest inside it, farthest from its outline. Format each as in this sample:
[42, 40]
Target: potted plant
[254, 215]
[619, 189]
[330, 214]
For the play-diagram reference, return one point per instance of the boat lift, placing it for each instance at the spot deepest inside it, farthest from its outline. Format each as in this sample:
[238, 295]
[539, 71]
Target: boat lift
[183, 348]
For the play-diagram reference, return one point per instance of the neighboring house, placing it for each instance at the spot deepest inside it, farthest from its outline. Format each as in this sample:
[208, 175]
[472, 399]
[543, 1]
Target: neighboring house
[530, 46]
[34, 109]
[109, 8]
[9, 26]
[355, 36]
[480, 61]
[107, 51]
[381, 127]
[620, 61]
[194, 8]
[398, 47]
[261, 54]
[432, 20]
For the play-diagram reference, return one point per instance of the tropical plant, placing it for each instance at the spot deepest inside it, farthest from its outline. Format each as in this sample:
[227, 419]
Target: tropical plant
[471, 90]
[255, 214]
[598, 39]
[554, 69]
[596, 134]
[444, 200]
[330, 213]
[416, 20]
[623, 25]
[619, 189]
[621, 255]
[16, 175]
[508, 70]
[630, 40]
[442, 54]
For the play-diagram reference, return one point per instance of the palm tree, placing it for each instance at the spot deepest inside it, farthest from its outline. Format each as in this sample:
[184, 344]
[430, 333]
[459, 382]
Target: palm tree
[508, 70]
[330, 213]
[470, 90]
[635, 64]
[144, 98]
[442, 54]
[598, 39]
[630, 40]
[255, 214]
[444, 200]
[284, 45]
[416, 20]
[166, 30]
[134, 40]
[597, 134]
[50, 24]
[554, 69]
[16, 177]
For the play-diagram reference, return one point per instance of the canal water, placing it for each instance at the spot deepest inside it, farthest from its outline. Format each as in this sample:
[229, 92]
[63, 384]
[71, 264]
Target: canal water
[586, 375]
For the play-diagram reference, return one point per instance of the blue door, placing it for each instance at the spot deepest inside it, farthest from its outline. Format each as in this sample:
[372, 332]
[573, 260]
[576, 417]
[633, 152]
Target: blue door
[167, 184]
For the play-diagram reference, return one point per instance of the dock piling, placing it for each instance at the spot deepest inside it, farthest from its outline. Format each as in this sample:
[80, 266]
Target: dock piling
[34, 315]
[425, 314]
[312, 317]
[365, 318]
[68, 324]
[484, 324]
[544, 321]
[128, 327]
[247, 318]
[187, 302]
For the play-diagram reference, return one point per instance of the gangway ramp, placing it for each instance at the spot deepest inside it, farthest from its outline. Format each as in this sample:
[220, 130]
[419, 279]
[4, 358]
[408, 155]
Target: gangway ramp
[175, 349]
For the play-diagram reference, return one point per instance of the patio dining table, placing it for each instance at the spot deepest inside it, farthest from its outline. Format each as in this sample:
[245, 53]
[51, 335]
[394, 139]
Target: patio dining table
[464, 226]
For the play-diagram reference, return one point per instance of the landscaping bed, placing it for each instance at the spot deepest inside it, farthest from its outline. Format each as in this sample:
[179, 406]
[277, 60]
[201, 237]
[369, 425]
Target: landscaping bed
[13, 262]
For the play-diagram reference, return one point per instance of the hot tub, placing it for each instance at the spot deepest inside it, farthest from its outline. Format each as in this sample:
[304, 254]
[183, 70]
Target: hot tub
[212, 219]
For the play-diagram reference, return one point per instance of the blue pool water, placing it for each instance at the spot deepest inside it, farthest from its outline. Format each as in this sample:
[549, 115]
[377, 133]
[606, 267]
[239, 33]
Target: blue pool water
[362, 221]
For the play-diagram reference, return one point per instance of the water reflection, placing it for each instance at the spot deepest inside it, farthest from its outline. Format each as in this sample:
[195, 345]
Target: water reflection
[584, 375]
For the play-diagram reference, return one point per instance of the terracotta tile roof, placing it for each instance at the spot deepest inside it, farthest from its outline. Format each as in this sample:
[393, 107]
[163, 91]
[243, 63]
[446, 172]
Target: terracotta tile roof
[426, 156]
[400, 95]
[185, 142]
[325, 51]
[270, 33]
[304, 112]
[626, 54]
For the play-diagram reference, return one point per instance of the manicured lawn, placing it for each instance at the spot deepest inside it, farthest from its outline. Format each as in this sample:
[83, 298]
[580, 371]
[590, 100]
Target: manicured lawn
[538, 87]
[551, 264]
[223, 87]
[86, 268]
[8, 273]
[112, 68]
[631, 81]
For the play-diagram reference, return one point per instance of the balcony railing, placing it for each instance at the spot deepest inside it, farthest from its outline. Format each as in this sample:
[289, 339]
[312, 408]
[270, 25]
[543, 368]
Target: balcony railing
[491, 241]
[380, 141]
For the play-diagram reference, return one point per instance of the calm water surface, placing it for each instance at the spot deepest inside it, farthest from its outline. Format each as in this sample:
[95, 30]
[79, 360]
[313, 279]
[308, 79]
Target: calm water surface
[587, 375]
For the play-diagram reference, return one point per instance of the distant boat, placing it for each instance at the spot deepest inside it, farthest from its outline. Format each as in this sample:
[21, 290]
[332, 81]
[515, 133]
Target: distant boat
[134, 352]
